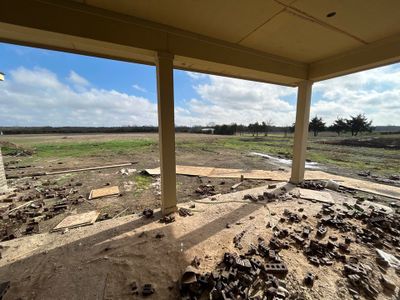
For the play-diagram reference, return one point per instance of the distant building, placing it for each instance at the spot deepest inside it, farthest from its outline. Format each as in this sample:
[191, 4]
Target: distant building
[207, 130]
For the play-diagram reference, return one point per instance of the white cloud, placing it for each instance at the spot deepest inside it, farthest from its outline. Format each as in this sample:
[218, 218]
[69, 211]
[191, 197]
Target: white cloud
[196, 76]
[228, 100]
[38, 97]
[78, 80]
[376, 93]
[139, 88]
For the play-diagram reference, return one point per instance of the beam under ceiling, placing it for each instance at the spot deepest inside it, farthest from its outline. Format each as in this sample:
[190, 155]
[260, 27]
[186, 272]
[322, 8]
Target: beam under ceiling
[380, 53]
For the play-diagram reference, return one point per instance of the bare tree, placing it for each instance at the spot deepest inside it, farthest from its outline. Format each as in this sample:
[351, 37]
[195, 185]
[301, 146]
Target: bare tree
[267, 126]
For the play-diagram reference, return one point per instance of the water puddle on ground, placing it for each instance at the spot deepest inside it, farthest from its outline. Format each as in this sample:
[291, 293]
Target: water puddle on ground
[286, 162]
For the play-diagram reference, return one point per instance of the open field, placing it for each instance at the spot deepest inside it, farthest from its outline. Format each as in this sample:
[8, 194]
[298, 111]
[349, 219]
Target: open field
[343, 155]
[63, 152]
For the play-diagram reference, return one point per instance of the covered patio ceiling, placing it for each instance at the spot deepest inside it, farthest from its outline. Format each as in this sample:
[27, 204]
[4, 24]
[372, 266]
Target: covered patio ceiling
[277, 41]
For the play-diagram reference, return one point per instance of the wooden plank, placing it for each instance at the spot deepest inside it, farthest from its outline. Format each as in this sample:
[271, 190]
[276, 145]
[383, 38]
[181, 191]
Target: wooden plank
[236, 185]
[37, 174]
[225, 173]
[363, 185]
[78, 220]
[90, 169]
[107, 191]
[319, 196]
[21, 206]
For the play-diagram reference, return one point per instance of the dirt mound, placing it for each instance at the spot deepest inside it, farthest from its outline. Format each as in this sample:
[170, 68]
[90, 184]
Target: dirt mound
[12, 149]
[370, 142]
[6, 144]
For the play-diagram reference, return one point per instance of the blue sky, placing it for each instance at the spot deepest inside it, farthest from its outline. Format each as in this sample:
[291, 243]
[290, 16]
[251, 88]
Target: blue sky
[45, 87]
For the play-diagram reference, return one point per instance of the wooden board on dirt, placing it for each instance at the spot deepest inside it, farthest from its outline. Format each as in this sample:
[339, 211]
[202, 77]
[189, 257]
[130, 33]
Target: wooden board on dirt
[225, 173]
[78, 220]
[319, 196]
[103, 192]
[363, 185]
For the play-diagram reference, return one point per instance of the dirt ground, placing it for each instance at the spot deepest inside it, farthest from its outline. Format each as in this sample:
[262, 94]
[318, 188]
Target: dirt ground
[106, 257]
[49, 153]
[137, 191]
[102, 260]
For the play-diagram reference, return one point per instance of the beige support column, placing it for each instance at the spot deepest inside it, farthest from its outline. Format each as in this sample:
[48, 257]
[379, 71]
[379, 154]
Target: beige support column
[166, 131]
[301, 131]
[3, 181]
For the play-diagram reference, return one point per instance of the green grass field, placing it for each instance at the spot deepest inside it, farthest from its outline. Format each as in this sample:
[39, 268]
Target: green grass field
[379, 161]
[85, 149]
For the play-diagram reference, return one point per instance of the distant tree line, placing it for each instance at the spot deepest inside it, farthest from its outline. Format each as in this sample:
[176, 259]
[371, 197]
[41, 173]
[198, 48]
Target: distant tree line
[224, 129]
[354, 124]
[255, 129]
[77, 129]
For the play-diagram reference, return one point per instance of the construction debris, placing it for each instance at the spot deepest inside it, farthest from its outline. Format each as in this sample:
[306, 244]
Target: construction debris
[258, 266]
[318, 177]
[40, 202]
[120, 213]
[147, 289]
[148, 213]
[388, 258]
[184, 212]
[73, 170]
[134, 288]
[78, 220]
[332, 185]
[388, 284]
[312, 185]
[4, 286]
[309, 279]
[103, 192]
[316, 195]
[206, 190]
[253, 273]
[126, 171]
[168, 219]
[236, 185]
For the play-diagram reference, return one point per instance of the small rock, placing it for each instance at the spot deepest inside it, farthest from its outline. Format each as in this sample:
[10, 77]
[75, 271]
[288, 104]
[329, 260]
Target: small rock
[148, 213]
[387, 283]
[147, 290]
[160, 235]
